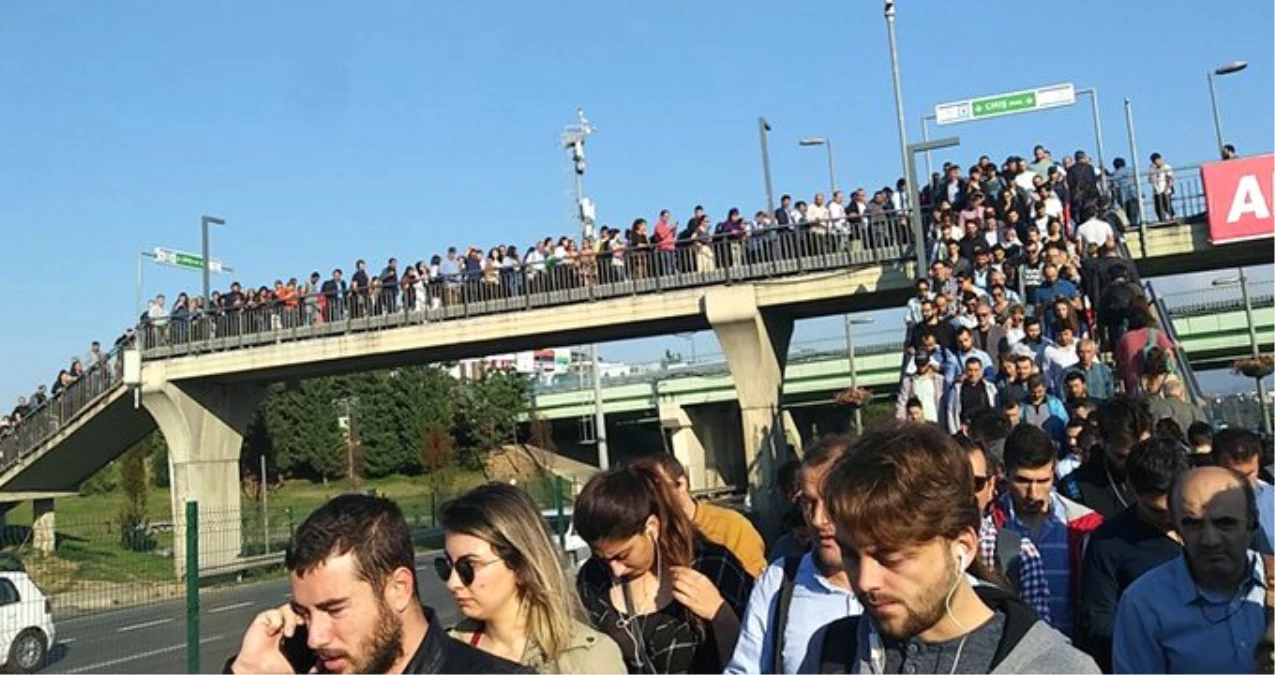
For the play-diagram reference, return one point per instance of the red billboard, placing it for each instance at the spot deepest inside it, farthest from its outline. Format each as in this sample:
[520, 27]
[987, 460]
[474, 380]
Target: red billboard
[1239, 196]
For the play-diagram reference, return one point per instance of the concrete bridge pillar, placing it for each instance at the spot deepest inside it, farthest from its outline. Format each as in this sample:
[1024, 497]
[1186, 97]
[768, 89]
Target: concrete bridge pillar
[203, 425]
[755, 344]
[43, 532]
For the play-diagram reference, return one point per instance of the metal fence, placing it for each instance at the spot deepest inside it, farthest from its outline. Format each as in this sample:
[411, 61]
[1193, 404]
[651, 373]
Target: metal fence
[720, 259]
[1185, 203]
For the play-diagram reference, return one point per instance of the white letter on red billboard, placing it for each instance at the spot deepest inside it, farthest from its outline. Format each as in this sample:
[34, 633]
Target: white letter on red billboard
[1248, 199]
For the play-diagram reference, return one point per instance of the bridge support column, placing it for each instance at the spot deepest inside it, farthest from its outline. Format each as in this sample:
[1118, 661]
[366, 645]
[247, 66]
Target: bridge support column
[701, 442]
[755, 344]
[43, 532]
[203, 425]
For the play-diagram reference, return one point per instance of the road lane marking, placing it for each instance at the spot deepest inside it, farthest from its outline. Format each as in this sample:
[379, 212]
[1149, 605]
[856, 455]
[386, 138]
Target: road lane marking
[227, 608]
[66, 641]
[144, 624]
[146, 655]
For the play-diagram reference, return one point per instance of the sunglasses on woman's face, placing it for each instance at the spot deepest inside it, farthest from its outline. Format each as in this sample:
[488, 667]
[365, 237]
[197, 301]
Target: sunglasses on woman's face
[465, 568]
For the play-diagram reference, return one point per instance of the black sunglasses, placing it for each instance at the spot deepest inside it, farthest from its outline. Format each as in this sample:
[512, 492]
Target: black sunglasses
[465, 568]
[980, 482]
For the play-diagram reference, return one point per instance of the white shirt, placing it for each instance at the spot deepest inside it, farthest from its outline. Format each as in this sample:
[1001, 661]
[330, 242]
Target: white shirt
[1095, 231]
[1160, 178]
[1025, 181]
[1053, 205]
[816, 213]
[1055, 360]
[837, 213]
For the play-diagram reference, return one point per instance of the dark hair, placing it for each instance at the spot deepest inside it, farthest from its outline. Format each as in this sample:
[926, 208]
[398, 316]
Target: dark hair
[989, 429]
[1123, 420]
[1037, 380]
[1154, 465]
[903, 485]
[1074, 375]
[1168, 429]
[615, 505]
[789, 477]
[1155, 361]
[1028, 447]
[373, 528]
[914, 402]
[1235, 445]
[1199, 433]
[828, 448]
[665, 462]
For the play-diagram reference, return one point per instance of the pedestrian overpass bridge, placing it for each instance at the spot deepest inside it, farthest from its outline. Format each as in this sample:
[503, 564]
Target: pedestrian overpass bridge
[201, 387]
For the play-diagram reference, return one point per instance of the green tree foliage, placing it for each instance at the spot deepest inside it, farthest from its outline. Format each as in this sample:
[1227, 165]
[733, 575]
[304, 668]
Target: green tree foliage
[299, 429]
[134, 534]
[395, 410]
[487, 414]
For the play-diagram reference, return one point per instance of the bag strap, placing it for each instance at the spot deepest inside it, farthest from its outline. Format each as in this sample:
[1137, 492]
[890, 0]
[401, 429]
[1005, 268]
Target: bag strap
[791, 564]
[840, 646]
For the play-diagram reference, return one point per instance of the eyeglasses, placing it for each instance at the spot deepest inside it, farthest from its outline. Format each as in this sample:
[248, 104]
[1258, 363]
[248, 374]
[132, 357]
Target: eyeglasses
[465, 568]
[980, 482]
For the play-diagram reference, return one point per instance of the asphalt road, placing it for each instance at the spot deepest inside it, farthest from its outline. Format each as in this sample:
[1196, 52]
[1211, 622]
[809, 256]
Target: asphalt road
[152, 638]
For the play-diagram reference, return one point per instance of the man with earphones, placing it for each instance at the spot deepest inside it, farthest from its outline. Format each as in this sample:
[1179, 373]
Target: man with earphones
[1202, 612]
[907, 523]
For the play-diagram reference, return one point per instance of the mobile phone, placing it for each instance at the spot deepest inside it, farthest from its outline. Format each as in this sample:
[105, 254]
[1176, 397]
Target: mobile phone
[295, 650]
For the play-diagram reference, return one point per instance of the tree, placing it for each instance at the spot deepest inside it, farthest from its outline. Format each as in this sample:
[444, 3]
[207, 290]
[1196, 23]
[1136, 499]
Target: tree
[438, 453]
[300, 431]
[487, 413]
[134, 535]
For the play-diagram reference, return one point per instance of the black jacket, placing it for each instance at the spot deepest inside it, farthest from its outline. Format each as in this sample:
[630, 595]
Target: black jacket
[1095, 485]
[439, 653]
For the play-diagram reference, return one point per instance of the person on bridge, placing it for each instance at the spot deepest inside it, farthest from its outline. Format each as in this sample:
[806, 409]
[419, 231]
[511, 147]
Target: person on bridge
[512, 586]
[718, 525]
[669, 597]
[355, 605]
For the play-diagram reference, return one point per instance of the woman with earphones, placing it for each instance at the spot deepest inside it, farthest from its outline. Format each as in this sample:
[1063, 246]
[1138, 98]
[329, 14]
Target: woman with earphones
[670, 598]
[907, 521]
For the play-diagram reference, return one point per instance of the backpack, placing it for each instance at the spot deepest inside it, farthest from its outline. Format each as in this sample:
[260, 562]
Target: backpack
[840, 646]
[1008, 555]
[780, 621]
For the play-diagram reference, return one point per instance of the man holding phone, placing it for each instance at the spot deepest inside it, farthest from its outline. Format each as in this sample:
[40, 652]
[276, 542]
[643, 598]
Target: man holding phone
[355, 606]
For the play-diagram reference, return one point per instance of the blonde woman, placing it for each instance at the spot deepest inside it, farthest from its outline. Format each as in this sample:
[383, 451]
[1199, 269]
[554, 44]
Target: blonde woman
[511, 585]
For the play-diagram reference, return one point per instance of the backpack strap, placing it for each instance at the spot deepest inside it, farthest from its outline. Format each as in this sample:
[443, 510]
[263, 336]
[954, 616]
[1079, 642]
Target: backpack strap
[791, 564]
[840, 646]
[1008, 555]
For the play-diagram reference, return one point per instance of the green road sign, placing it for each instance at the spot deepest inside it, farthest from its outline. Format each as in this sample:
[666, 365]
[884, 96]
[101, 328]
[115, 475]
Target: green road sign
[183, 260]
[996, 105]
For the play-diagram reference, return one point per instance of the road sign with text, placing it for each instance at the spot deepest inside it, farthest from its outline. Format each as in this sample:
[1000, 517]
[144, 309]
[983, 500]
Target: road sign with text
[186, 261]
[984, 107]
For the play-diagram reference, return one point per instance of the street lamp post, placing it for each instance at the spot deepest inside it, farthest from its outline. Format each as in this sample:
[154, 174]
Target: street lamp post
[925, 138]
[1097, 130]
[1136, 216]
[909, 166]
[763, 128]
[851, 322]
[204, 222]
[1226, 69]
[812, 141]
[898, 96]
[1242, 280]
[573, 139]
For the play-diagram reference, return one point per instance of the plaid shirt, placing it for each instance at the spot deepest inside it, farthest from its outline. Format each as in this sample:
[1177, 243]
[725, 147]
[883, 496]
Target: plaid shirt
[675, 640]
[1032, 585]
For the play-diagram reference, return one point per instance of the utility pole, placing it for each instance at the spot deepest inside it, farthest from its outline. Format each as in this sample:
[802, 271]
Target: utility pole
[573, 138]
[348, 405]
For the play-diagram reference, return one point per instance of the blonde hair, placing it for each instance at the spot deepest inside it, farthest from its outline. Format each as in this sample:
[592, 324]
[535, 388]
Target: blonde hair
[506, 518]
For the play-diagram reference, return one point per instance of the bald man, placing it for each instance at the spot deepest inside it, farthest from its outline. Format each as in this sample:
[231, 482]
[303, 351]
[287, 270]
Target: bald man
[1202, 612]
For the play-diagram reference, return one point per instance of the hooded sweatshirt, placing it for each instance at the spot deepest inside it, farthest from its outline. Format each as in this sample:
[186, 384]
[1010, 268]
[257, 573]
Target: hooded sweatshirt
[1027, 644]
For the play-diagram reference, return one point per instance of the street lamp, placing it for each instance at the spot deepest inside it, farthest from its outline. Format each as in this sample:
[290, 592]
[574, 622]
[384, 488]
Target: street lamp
[1242, 281]
[851, 322]
[204, 222]
[904, 155]
[914, 198]
[763, 127]
[814, 141]
[689, 337]
[1226, 69]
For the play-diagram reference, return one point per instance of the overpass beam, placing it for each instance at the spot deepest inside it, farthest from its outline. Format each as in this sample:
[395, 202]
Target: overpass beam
[755, 344]
[203, 425]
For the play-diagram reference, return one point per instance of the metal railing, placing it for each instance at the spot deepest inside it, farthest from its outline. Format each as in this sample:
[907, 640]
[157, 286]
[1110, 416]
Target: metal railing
[721, 259]
[50, 416]
[1186, 202]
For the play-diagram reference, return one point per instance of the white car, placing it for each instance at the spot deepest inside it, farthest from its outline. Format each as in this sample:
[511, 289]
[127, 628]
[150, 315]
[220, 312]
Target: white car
[26, 623]
[575, 548]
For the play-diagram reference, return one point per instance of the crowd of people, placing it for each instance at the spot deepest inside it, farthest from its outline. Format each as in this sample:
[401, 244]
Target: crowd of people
[1034, 508]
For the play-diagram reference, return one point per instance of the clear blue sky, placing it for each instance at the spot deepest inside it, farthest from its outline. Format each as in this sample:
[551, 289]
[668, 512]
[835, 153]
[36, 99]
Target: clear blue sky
[328, 131]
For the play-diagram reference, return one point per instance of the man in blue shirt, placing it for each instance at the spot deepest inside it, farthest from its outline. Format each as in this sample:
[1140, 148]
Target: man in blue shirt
[1202, 612]
[965, 350]
[1051, 287]
[820, 590]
